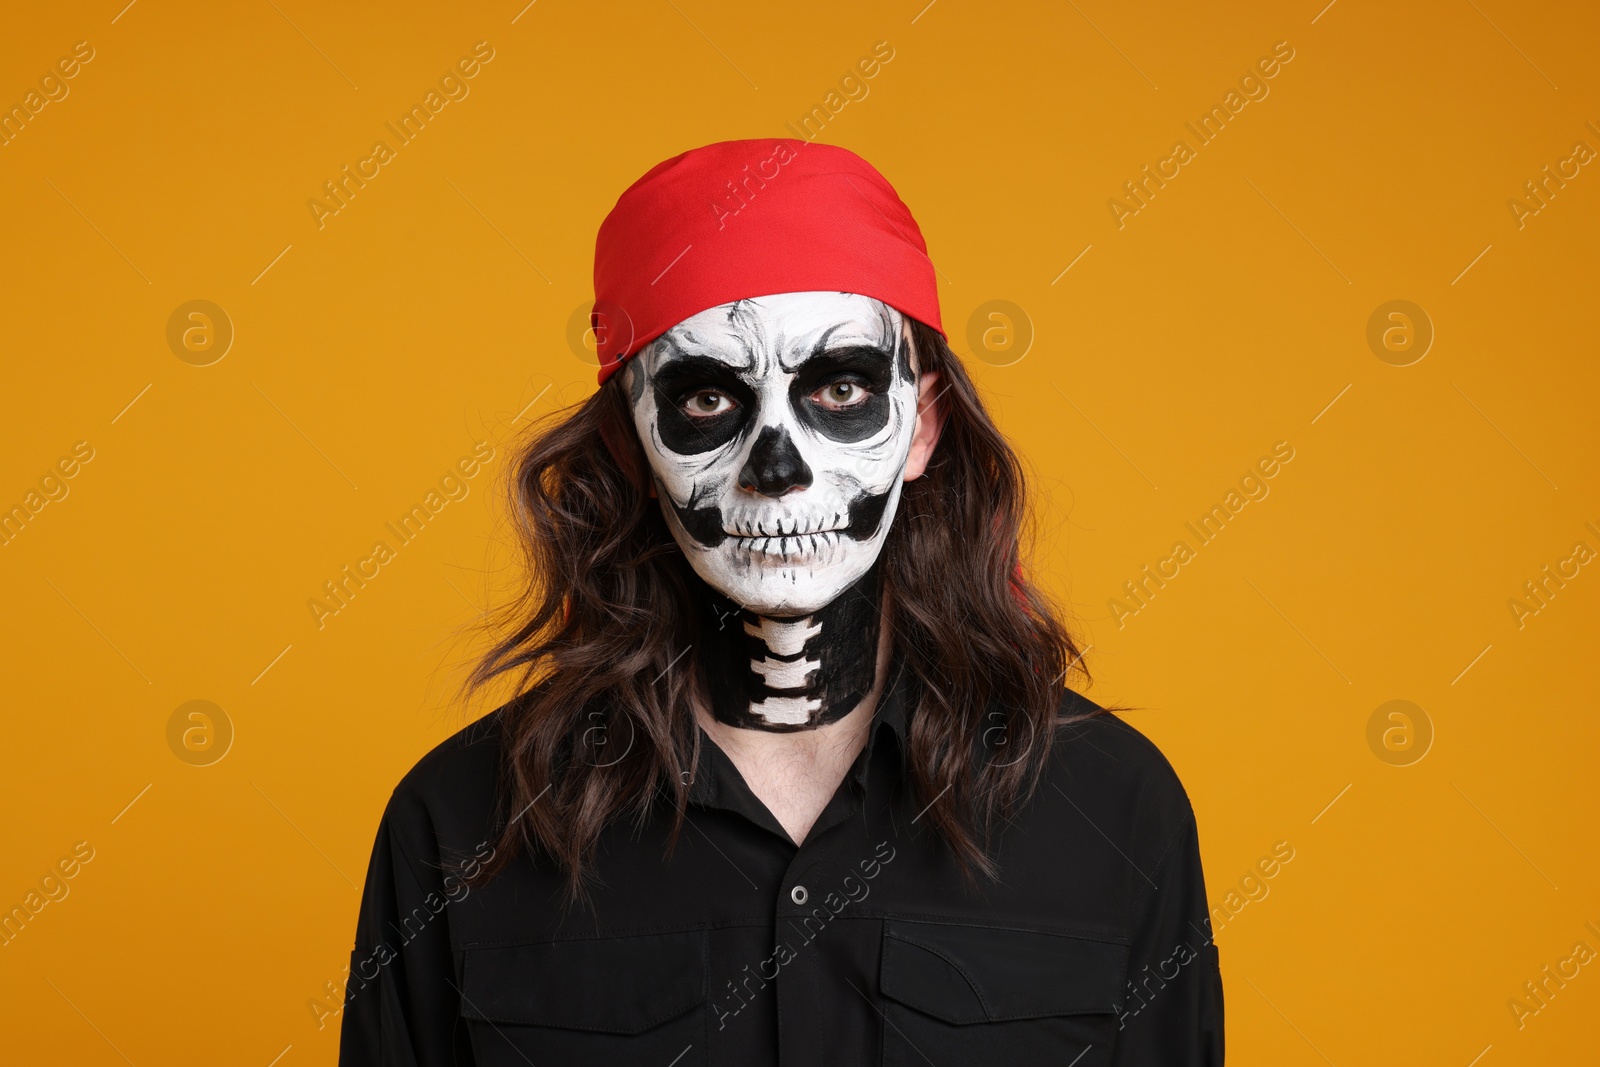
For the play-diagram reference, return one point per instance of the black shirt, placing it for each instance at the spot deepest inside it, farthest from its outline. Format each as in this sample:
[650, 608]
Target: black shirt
[862, 945]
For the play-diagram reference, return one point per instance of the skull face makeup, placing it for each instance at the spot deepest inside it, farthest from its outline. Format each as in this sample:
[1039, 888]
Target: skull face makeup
[778, 429]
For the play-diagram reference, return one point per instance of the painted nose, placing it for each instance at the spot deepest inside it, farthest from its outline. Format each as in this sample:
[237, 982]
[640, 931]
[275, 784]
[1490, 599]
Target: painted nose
[775, 466]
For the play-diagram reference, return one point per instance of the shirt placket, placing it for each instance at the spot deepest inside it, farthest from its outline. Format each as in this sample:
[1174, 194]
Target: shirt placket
[807, 993]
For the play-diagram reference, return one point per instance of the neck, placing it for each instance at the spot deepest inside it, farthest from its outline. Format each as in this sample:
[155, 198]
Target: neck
[799, 673]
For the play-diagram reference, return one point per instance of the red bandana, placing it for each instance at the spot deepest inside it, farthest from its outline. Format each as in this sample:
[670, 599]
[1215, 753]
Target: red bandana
[741, 219]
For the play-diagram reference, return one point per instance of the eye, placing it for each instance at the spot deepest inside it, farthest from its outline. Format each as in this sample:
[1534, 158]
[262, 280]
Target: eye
[705, 403]
[841, 394]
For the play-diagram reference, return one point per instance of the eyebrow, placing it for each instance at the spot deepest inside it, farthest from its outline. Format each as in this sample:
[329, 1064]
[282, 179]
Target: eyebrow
[675, 351]
[823, 346]
[696, 369]
[740, 356]
[849, 355]
[868, 362]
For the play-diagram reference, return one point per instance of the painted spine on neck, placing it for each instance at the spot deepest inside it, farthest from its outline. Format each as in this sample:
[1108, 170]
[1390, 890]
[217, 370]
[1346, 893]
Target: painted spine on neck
[786, 674]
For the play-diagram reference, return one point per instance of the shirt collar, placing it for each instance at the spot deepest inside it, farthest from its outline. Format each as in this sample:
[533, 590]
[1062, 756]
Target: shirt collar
[891, 717]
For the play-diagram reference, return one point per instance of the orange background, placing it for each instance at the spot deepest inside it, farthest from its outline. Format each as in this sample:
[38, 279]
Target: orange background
[432, 311]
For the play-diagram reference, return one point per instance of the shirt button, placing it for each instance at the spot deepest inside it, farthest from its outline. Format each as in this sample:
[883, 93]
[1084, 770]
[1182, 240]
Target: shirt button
[799, 895]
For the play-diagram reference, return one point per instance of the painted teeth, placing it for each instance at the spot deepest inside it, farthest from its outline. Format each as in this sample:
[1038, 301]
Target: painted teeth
[788, 528]
[786, 546]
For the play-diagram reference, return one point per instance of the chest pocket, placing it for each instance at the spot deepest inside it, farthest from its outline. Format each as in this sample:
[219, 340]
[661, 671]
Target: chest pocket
[958, 995]
[621, 1000]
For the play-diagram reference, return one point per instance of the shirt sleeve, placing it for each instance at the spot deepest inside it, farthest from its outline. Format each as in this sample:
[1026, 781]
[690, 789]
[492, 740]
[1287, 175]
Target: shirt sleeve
[401, 1002]
[1172, 1007]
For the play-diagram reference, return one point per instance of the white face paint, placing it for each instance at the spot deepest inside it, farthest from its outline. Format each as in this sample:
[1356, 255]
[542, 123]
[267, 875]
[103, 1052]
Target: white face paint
[778, 429]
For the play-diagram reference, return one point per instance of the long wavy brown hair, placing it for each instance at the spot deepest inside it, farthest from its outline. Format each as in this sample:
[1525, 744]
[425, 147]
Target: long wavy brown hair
[602, 635]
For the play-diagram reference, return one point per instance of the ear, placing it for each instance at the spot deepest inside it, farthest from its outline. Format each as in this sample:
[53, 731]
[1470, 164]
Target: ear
[930, 422]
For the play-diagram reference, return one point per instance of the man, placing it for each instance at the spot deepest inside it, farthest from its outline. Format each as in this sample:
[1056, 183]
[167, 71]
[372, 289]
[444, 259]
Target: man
[792, 777]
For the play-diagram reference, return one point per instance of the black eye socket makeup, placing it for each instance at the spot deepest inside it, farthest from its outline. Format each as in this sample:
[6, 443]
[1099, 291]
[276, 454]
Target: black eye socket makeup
[677, 382]
[867, 366]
